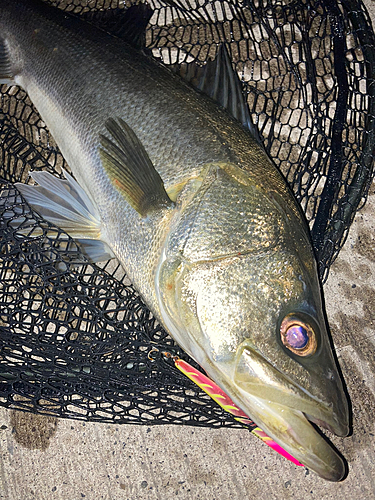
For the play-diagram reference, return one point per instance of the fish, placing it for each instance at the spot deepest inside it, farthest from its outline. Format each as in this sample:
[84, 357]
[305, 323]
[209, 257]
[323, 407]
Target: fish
[169, 178]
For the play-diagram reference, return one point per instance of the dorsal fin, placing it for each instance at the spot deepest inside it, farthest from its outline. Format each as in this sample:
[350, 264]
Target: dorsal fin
[6, 71]
[218, 80]
[129, 24]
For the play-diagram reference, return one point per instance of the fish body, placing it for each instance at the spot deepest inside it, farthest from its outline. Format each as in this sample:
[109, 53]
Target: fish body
[203, 223]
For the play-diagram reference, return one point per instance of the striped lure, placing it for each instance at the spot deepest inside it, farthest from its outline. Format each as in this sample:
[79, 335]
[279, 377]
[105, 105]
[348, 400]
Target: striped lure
[219, 396]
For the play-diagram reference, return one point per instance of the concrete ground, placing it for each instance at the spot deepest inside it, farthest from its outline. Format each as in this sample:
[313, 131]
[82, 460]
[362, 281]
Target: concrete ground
[45, 458]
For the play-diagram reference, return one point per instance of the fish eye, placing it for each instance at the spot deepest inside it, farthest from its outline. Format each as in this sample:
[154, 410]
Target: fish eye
[298, 336]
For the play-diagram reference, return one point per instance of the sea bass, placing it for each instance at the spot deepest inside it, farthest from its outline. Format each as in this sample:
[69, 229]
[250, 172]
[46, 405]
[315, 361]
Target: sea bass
[203, 223]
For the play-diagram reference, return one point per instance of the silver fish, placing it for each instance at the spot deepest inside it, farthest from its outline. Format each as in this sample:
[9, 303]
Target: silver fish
[202, 222]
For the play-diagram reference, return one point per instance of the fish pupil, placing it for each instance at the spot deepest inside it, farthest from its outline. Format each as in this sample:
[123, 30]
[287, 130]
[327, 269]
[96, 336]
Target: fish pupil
[297, 336]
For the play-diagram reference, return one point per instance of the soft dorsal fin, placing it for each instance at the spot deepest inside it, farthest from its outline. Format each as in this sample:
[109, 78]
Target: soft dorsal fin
[129, 24]
[130, 169]
[218, 80]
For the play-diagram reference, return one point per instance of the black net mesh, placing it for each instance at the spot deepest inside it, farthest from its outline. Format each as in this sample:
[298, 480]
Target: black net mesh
[75, 338]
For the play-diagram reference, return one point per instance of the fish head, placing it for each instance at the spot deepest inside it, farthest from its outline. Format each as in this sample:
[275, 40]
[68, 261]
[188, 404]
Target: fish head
[238, 289]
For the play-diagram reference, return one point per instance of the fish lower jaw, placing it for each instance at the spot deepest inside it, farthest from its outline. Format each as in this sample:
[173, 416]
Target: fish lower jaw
[292, 430]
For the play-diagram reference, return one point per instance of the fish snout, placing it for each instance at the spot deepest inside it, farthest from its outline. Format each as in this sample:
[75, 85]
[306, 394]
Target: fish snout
[285, 410]
[255, 375]
[338, 425]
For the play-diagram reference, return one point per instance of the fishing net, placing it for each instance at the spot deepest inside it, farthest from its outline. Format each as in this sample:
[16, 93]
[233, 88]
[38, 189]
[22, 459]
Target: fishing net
[76, 340]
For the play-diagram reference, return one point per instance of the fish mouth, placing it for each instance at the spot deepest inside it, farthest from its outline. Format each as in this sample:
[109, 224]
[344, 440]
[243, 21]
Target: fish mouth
[292, 430]
[286, 413]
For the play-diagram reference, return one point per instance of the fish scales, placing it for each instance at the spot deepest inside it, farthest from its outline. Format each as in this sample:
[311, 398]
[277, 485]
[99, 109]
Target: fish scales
[219, 251]
[97, 80]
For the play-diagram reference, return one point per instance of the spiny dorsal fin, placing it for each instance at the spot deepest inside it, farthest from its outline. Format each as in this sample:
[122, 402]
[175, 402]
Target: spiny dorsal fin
[218, 80]
[129, 24]
[131, 170]
[6, 72]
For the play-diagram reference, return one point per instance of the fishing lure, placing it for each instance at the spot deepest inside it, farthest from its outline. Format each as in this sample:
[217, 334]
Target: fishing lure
[223, 400]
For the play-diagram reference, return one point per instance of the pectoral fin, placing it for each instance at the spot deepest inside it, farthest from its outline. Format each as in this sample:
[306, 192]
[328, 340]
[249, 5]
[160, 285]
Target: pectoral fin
[65, 204]
[130, 169]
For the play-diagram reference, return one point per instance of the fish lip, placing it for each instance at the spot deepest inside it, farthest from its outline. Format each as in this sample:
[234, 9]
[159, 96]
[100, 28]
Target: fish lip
[324, 417]
[335, 474]
[288, 412]
[340, 429]
[253, 370]
[295, 433]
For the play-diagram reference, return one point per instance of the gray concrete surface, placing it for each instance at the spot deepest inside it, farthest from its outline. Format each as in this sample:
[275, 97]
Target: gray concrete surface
[45, 458]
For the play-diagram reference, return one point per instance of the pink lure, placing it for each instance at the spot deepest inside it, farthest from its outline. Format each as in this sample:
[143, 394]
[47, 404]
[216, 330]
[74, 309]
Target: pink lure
[218, 395]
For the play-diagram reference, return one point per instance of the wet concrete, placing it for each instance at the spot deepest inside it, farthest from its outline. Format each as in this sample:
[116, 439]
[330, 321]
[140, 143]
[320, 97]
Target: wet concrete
[32, 431]
[44, 458]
